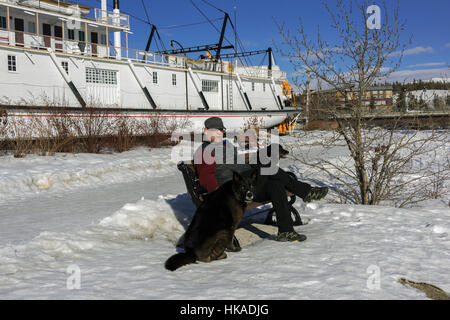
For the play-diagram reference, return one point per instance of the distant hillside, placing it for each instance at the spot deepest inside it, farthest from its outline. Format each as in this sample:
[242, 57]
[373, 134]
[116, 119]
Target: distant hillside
[420, 99]
[421, 85]
[427, 95]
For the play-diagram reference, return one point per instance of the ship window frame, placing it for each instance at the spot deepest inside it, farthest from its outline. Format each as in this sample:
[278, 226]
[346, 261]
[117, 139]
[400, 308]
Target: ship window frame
[5, 25]
[71, 34]
[12, 63]
[101, 76]
[253, 86]
[31, 25]
[174, 79]
[81, 39]
[65, 66]
[210, 86]
[264, 87]
[103, 39]
[155, 77]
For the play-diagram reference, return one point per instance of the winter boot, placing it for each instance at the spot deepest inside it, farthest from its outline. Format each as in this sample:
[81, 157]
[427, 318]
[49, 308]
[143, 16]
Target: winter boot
[290, 236]
[316, 193]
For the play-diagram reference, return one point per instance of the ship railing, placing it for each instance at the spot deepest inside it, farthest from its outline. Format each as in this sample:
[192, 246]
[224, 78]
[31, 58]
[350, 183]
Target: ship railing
[259, 72]
[4, 36]
[142, 56]
[42, 42]
[204, 65]
[112, 19]
[71, 46]
[85, 48]
[105, 17]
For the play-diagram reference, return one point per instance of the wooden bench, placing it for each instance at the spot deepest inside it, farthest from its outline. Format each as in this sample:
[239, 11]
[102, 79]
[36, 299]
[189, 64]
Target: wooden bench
[197, 192]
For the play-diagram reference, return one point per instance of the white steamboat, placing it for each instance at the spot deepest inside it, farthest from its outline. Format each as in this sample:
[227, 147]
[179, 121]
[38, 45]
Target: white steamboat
[61, 54]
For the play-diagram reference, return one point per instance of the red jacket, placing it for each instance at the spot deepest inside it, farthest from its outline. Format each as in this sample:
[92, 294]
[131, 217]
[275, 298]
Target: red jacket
[206, 170]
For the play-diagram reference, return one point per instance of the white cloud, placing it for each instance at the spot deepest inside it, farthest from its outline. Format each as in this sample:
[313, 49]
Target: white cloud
[429, 64]
[423, 74]
[412, 51]
[402, 76]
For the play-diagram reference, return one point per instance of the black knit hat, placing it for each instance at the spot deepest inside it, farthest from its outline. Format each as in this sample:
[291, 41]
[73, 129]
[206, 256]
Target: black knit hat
[214, 123]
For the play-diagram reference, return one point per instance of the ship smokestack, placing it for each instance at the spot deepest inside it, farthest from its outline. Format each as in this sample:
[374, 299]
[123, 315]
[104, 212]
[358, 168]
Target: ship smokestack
[117, 36]
[104, 8]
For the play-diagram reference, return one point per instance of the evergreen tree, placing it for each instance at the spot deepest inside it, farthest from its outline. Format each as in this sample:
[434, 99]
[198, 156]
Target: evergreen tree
[412, 102]
[401, 101]
[422, 104]
[438, 103]
[372, 103]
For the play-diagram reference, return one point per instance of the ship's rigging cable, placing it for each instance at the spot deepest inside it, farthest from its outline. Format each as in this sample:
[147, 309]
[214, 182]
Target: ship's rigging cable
[239, 42]
[244, 64]
[145, 10]
[133, 16]
[187, 25]
[166, 27]
[157, 33]
[208, 3]
[208, 20]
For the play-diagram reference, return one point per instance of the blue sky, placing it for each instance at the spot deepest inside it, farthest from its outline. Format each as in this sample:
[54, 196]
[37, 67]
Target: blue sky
[428, 22]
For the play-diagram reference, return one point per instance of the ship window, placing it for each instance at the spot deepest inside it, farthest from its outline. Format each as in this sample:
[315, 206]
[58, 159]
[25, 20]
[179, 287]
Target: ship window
[253, 86]
[210, 86]
[31, 27]
[174, 79]
[12, 66]
[71, 34]
[155, 77]
[81, 36]
[65, 66]
[264, 87]
[101, 76]
[3, 22]
[103, 39]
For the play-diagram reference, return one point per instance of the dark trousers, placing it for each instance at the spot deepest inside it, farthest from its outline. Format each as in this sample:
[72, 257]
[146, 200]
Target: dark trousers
[273, 188]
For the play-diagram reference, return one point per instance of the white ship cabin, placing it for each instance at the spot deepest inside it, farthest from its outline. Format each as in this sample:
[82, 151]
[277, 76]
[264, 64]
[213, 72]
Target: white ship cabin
[60, 25]
[76, 55]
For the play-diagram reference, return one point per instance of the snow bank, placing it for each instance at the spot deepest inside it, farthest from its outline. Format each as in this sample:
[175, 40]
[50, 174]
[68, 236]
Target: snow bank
[146, 219]
[34, 174]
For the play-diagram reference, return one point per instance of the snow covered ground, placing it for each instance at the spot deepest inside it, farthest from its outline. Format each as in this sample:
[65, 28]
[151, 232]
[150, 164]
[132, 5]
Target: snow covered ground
[101, 227]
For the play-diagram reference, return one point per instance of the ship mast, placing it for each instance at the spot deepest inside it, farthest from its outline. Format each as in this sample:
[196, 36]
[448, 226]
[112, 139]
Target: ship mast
[117, 39]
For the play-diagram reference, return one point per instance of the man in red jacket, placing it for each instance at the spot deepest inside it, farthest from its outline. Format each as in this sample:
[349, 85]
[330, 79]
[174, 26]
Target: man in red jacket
[216, 160]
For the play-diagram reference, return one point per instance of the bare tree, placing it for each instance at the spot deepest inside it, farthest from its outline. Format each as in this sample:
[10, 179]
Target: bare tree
[347, 66]
[3, 126]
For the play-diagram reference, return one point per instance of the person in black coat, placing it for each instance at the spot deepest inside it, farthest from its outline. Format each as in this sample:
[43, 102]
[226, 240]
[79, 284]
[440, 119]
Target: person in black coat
[216, 160]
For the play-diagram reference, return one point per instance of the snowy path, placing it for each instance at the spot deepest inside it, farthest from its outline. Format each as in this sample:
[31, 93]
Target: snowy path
[75, 210]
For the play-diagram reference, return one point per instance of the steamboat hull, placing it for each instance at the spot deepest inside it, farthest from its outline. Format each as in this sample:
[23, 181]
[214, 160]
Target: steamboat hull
[180, 121]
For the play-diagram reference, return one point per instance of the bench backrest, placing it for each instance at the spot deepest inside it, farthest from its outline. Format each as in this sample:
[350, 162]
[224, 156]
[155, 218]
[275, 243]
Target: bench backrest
[195, 190]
